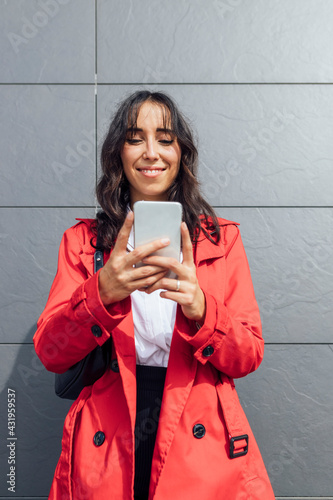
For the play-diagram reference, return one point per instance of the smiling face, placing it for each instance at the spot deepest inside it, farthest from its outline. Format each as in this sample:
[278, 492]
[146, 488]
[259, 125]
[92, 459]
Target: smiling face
[151, 155]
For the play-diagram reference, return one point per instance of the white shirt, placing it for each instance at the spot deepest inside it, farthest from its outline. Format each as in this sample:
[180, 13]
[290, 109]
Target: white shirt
[154, 321]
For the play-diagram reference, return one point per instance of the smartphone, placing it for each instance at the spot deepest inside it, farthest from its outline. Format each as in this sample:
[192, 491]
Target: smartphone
[154, 220]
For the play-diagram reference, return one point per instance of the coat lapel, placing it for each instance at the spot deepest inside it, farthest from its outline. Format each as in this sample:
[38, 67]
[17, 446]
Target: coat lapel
[122, 337]
[178, 383]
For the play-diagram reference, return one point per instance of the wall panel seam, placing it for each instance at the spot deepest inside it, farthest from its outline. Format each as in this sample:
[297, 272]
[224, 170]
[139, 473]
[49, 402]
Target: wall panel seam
[141, 84]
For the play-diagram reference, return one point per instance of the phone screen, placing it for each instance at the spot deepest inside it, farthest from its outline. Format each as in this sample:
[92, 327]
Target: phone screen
[155, 220]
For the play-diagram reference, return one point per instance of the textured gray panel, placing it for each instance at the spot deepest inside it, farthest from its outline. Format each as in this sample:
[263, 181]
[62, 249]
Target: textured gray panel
[39, 420]
[289, 403]
[290, 256]
[47, 41]
[29, 248]
[216, 41]
[258, 145]
[48, 145]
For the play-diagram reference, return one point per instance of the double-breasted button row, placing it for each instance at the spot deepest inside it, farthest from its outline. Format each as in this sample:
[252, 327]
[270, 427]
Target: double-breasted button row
[198, 430]
[99, 438]
[208, 351]
[96, 330]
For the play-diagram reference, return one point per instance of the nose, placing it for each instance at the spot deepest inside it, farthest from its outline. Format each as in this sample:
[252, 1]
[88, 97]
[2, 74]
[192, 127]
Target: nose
[151, 152]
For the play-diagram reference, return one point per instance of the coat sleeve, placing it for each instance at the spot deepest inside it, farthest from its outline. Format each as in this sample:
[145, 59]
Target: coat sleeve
[231, 337]
[74, 320]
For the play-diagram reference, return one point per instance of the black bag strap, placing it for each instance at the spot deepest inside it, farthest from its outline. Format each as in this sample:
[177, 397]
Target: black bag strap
[99, 254]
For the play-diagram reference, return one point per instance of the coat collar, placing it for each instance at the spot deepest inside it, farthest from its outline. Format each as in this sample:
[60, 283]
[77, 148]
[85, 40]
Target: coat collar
[206, 250]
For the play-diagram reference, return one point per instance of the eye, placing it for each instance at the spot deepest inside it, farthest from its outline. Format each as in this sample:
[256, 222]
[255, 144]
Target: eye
[133, 141]
[166, 141]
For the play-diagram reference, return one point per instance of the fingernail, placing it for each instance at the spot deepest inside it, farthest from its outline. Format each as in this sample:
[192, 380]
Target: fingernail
[165, 241]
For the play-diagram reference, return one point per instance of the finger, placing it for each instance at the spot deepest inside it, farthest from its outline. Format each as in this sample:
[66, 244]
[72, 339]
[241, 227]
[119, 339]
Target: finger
[176, 296]
[167, 284]
[186, 245]
[152, 288]
[124, 232]
[143, 251]
[167, 262]
[144, 283]
[146, 271]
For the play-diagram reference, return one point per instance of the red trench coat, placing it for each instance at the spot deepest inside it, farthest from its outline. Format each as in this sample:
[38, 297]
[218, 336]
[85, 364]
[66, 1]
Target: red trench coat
[199, 386]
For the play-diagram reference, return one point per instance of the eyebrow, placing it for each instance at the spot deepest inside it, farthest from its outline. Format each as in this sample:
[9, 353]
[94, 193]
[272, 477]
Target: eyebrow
[136, 129]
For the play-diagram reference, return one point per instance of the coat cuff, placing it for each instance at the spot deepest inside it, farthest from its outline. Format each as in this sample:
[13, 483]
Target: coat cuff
[91, 311]
[209, 338]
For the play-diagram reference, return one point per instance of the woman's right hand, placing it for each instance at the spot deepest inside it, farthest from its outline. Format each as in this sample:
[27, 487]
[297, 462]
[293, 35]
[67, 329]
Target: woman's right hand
[118, 278]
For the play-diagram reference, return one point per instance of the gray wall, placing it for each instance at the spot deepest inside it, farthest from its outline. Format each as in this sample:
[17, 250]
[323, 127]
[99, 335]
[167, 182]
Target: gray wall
[254, 77]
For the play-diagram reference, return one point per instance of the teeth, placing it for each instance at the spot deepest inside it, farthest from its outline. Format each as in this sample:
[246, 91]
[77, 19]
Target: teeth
[152, 171]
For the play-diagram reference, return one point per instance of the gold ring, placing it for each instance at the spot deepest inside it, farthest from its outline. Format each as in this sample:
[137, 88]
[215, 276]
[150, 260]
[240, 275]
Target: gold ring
[178, 286]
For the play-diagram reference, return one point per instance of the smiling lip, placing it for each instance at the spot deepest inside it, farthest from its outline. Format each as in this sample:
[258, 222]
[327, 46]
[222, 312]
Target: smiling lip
[151, 172]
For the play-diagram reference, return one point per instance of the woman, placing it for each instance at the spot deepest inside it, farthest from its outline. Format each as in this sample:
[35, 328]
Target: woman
[165, 421]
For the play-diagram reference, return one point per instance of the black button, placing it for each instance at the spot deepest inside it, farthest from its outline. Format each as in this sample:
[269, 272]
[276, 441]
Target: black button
[199, 431]
[114, 365]
[99, 438]
[96, 330]
[208, 351]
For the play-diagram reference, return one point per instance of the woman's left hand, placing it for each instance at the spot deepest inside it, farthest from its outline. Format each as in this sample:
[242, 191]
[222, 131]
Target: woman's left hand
[189, 294]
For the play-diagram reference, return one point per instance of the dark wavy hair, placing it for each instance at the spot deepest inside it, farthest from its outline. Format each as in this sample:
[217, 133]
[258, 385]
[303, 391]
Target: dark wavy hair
[112, 189]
